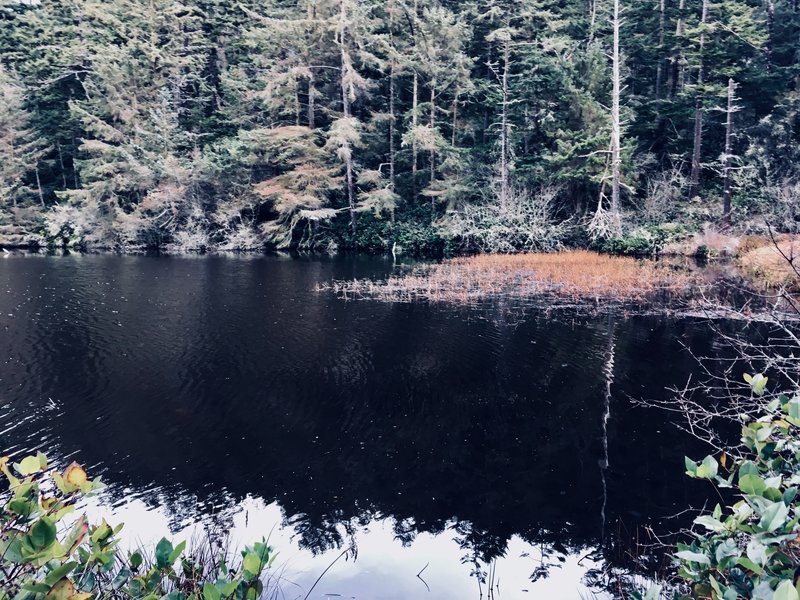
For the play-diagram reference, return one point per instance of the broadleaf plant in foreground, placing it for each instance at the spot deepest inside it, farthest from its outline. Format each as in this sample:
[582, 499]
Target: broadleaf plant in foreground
[48, 552]
[749, 548]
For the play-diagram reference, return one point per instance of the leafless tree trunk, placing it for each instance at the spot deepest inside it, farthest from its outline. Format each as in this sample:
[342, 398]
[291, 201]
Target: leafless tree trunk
[726, 190]
[433, 125]
[677, 74]
[455, 120]
[61, 163]
[504, 158]
[770, 33]
[297, 103]
[660, 65]
[694, 180]
[414, 108]
[39, 186]
[392, 68]
[345, 66]
[312, 92]
[616, 126]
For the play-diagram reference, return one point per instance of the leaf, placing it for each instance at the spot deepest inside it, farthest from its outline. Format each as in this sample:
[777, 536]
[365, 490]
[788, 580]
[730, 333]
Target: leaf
[708, 468]
[752, 484]
[252, 563]
[28, 466]
[42, 534]
[758, 383]
[136, 560]
[749, 565]
[177, 552]
[121, 579]
[757, 552]
[726, 549]
[792, 408]
[164, 550]
[230, 587]
[75, 476]
[210, 592]
[696, 557]
[785, 591]
[774, 516]
[63, 590]
[77, 534]
[59, 572]
[709, 523]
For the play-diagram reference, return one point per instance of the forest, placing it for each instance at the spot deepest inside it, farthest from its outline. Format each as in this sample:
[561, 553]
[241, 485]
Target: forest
[425, 126]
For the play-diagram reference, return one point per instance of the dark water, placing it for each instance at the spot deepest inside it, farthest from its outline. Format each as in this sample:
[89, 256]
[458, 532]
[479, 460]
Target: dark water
[227, 391]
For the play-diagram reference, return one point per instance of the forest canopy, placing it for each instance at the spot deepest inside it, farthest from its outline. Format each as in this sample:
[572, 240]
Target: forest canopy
[499, 125]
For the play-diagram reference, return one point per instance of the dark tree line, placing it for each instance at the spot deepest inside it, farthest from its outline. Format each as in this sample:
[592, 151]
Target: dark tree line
[217, 124]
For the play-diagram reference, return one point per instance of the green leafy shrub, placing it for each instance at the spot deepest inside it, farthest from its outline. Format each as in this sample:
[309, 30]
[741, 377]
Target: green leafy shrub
[47, 553]
[750, 548]
[645, 241]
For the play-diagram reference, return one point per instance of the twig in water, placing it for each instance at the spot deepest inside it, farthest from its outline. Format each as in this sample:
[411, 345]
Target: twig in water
[421, 579]
[345, 551]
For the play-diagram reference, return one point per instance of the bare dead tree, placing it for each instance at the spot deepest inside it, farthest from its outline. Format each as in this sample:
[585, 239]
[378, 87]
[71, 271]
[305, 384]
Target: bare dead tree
[728, 156]
[699, 112]
[616, 126]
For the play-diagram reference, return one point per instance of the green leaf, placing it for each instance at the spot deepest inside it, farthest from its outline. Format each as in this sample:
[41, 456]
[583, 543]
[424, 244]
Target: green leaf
[136, 560]
[786, 591]
[709, 523]
[696, 557]
[164, 550]
[230, 587]
[752, 484]
[708, 468]
[42, 534]
[59, 572]
[210, 592]
[177, 552]
[121, 579]
[774, 516]
[28, 466]
[757, 552]
[252, 563]
[749, 565]
[758, 383]
[726, 549]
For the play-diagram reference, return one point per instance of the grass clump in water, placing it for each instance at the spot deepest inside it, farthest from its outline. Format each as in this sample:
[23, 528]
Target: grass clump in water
[575, 276]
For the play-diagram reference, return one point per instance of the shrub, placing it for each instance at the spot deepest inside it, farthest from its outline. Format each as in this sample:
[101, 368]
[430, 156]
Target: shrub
[750, 548]
[47, 553]
[645, 241]
[527, 224]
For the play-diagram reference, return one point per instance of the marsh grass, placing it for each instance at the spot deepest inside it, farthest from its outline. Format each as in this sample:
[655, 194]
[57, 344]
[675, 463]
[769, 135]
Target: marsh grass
[576, 276]
[773, 265]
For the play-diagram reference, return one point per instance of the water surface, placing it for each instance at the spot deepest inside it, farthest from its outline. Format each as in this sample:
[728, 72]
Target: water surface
[450, 443]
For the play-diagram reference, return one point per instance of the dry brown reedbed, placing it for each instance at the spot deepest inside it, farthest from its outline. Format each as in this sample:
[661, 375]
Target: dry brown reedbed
[576, 275]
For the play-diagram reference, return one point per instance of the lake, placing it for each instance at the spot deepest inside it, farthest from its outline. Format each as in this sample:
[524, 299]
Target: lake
[418, 450]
